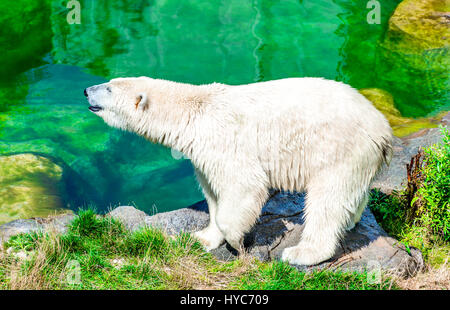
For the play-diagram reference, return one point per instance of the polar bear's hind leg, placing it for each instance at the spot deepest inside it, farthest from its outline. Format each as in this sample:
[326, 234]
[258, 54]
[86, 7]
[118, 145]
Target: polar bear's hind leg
[357, 216]
[329, 209]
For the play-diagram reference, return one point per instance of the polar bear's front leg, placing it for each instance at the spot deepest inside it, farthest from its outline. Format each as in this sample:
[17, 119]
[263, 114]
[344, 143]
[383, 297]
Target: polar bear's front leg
[210, 237]
[237, 212]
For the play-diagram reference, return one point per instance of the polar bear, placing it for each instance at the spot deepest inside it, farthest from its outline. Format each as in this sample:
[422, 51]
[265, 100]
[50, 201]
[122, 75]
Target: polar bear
[308, 135]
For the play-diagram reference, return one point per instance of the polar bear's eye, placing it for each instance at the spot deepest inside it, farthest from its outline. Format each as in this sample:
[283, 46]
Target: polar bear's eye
[108, 89]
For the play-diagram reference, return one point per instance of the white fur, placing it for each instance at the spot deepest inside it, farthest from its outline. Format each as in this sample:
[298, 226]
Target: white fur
[296, 134]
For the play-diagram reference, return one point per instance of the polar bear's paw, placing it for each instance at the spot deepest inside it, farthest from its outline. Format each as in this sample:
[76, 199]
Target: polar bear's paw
[303, 255]
[209, 238]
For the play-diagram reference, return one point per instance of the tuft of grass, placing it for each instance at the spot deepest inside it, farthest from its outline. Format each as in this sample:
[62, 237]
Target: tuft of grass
[89, 224]
[26, 242]
[147, 242]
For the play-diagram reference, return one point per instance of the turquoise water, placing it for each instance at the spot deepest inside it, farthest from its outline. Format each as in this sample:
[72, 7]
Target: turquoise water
[46, 68]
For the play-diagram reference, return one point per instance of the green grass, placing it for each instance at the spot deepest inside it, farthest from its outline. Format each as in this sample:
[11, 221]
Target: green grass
[419, 215]
[109, 257]
[280, 276]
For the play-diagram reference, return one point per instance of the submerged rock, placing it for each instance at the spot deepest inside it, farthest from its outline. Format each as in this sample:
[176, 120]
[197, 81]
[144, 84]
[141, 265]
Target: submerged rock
[417, 45]
[30, 186]
[418, 25]
[402, 126]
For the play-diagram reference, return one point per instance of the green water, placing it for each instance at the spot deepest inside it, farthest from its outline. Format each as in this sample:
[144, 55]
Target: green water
[47, 63]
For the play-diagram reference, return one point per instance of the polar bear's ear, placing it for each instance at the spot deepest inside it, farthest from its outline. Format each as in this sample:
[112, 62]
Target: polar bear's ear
[141, 101]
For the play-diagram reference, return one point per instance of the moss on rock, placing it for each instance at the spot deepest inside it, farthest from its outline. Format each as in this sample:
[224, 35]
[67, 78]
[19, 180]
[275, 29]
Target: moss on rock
[417, 25]
[30, 186]
[402, 126]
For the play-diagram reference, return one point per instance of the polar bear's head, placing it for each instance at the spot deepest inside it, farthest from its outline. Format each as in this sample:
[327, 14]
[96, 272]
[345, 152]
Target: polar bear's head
[156, 109]
[121, 103]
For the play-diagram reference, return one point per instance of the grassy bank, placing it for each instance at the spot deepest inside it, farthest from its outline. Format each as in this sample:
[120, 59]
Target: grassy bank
[419, 215]
[98, 253]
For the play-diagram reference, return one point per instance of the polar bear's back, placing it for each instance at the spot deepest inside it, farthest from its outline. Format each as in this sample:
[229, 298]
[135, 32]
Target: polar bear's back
[310, 103]
[314, 97]
[303, 125]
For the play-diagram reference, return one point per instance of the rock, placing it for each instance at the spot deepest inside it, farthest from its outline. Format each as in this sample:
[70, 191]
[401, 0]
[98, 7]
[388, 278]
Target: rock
[18, 227]
[421, 24]
[57, 224]
[446, 120]
[173, 222]
[402, 126]
[393, 177]
[188, 219]
[30, 186]
[131, 217]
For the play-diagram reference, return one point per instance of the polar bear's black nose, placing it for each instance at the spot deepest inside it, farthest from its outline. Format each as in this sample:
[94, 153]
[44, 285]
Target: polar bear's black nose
[85, 92]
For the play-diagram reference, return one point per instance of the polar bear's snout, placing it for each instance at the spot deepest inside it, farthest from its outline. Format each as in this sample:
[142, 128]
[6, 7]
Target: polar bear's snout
[96, 96]
[117, 101]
